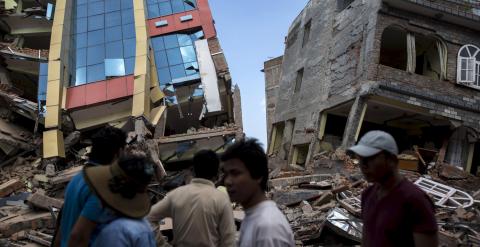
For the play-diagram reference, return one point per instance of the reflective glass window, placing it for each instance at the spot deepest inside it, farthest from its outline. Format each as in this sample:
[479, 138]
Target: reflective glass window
[103, 29]
[127, 4]
[113, 33]
[96, 22]
[129, 65]
[174, 56]
[191, 68]
[96, 8]
[161, 59]
[164, 75]
[171, 41]
[158, 8]
[112, 5]
[96, 73]
[81, 58]
[177, 6]
[127, 16]
[189, 5]
[114, 49]
[80, 40]
[81, 11]
[81, 26]
[165, 8]
[128, 31]
[157, 43]
[153, 10]
[95, 54]
[188, 54]
[95, 37]
[113, 19]
[42, 82]
[129, 48]
[81, 76]
[114, 67]
[178, 54]
[184, 39]
[177, 71]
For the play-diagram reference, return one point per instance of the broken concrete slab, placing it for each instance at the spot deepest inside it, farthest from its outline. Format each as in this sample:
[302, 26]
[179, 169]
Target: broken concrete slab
[42, 201]
[18, 197]
[10, 187]
[294, 197]
[25, 221]
[324, 199]
[290, 181]
[66, 175]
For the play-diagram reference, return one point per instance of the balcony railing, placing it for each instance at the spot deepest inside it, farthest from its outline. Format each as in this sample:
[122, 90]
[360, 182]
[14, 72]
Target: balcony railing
[464, 8]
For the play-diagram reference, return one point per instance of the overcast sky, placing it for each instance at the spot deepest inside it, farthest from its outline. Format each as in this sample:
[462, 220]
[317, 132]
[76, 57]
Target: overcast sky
[251, 32]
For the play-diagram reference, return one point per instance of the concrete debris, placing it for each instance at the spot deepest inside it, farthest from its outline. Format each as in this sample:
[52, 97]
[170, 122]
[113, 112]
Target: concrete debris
[42, 201]
[10, 187]
[333, 212]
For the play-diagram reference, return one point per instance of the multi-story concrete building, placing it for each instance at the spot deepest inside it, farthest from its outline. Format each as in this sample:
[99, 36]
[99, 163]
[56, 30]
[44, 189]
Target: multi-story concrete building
[156, 63]
[411, 67]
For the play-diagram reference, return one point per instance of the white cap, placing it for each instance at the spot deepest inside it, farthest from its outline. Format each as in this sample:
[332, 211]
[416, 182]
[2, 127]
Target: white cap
[373, 143]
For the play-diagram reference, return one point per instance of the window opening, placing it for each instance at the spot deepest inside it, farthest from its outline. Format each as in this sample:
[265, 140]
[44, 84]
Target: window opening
[306, 33]
[298, 80]
[393, 50]
[343, 4]
[428, 62]
[468, 65]
[158, 8]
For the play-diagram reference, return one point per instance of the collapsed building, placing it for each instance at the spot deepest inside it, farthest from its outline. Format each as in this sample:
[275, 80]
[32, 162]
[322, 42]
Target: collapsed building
[152, 67]
[409, 67]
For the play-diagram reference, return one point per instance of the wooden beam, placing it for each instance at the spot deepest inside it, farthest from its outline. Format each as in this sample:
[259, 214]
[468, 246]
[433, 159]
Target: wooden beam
[471, 150]
[322, 125]
[360, 121]
[273, 136]
[195, 136]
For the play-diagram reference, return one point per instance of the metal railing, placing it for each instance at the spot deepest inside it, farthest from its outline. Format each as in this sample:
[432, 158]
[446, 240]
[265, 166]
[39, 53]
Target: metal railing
[464, 8]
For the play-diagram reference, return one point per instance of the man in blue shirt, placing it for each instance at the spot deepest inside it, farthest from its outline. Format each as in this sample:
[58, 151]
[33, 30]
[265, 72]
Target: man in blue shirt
[82, 210]
[122, 187]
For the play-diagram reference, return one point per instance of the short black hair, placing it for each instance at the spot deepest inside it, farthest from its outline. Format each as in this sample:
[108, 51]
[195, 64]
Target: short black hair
[251, 153]
[106, 143]
[139, 170]
[206, 164]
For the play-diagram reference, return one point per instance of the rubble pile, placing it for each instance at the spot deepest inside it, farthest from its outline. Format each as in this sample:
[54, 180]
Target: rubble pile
[325, 208]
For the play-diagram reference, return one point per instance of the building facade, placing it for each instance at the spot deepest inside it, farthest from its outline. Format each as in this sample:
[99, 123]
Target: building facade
[118, 61]
[410, 67]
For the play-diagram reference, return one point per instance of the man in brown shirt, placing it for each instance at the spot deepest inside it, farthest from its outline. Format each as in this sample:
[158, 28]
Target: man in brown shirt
[202, 215]
[395, 212]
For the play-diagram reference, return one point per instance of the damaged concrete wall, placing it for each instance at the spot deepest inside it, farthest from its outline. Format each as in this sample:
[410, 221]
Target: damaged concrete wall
[340, 63]
[273, 71]
[334, 59]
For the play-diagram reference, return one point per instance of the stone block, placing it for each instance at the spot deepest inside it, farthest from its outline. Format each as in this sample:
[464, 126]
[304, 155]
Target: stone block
[10, 187]
[39, 200]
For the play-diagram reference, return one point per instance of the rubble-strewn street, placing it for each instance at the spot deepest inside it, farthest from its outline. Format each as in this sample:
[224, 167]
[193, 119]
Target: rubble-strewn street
[158, 71]
[324, 209]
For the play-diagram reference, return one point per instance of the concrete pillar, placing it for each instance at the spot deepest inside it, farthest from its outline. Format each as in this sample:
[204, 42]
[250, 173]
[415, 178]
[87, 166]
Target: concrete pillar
[354, 122]
[458, 147]
[237, 107]
[287, 140]
[4, 76]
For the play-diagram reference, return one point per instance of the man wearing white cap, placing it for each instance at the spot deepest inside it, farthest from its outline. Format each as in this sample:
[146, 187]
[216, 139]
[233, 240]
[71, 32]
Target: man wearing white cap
[395, 212]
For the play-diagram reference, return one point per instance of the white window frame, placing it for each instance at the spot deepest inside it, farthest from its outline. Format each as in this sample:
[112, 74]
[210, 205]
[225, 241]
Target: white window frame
[470, 65]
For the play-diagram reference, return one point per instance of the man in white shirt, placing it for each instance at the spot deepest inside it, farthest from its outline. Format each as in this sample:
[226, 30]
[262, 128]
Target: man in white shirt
[246, 173]
[202, 215]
